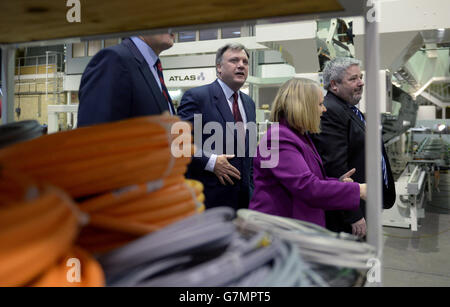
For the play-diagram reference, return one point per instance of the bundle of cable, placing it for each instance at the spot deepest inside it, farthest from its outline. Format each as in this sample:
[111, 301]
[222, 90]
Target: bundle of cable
[15, 187]
[317, 244]
[35, 235]
[197, 187]
[206, 250]
[101, 158]
[116, 218]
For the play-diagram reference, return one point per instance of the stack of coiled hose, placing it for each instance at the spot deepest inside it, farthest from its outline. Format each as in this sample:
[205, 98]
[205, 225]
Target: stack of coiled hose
[119, 217]
[339, 257]
[38, 229]
[124, 177]
[101, 158]
[207, 250]
[317, 244]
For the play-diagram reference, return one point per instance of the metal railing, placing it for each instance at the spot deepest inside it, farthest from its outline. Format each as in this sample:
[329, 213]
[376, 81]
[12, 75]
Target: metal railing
[52, 62]
[51, 58]
[440, 91]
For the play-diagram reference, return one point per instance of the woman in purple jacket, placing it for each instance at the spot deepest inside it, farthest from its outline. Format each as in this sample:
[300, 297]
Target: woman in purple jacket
[288, 174]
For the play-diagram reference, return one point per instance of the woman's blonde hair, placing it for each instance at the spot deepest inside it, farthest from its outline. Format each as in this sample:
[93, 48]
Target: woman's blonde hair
[297, 101]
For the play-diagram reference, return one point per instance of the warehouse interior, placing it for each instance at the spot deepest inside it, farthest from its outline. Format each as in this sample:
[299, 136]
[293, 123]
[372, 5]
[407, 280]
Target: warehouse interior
[44, 58]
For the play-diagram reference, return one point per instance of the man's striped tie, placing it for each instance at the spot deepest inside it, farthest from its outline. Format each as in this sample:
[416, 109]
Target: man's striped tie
[165, 92]
[383, 162]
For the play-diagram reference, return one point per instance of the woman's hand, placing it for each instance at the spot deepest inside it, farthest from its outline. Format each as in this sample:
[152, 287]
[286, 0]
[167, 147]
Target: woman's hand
[363, 191]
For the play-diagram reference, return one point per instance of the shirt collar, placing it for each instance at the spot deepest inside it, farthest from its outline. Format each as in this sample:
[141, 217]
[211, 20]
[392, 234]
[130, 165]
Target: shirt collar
[226, 89]
[147, 52]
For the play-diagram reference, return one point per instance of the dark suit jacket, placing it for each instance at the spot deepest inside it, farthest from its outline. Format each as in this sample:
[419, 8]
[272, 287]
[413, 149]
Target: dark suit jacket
[210, 102]
[118, 84]
[341, 144]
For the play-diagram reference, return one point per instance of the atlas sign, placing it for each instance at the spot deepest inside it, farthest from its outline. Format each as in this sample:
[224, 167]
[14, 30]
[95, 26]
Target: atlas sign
[201, 76]
[189, 77]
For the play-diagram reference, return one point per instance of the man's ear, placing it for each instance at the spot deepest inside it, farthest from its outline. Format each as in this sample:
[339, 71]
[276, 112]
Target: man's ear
[218, 69]
[333, 85]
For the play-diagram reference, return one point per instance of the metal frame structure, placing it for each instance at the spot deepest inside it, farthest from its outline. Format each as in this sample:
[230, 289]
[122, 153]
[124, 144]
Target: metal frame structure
[373, 118]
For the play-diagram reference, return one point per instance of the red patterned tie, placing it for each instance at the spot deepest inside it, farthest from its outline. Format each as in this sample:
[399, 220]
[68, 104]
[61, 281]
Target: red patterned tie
[165, 92]
[236, 113]
[238, 118]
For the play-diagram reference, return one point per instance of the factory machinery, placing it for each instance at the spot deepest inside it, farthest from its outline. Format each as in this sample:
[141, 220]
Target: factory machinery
[416, 164]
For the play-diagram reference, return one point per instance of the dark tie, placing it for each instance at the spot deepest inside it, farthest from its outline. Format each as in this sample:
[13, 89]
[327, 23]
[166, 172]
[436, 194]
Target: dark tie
[236, 113]
[165, 92]
[383, 162]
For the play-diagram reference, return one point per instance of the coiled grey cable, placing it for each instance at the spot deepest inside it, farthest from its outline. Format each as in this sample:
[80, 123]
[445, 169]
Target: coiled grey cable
[143, 272]
[195, 232]
[235, 262]
[207, 250]
[290, 271]
[254, 278]
[19, 131]
[315, 246]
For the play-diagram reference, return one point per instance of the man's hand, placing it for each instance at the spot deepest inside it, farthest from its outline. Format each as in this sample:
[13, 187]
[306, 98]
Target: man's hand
[224, 170]
[346, 176]
[359, 228]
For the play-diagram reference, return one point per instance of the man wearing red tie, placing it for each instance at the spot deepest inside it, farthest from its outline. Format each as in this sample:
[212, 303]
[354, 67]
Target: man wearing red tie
[225, 174]
[125, 81]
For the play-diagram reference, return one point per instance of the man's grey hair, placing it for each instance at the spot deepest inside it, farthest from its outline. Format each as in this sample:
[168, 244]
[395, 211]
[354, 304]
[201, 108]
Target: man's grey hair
[232, 46]
[335, 69]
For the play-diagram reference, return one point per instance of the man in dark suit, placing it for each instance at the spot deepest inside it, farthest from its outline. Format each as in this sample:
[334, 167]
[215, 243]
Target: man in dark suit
[225, 167]
[341, 143]
[125, 81]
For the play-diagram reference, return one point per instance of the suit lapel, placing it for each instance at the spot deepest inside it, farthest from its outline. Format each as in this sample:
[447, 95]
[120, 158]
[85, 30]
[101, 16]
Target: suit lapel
[148, 76]
[355, 118]
[250, 112]
[221, 103]
[347, 109]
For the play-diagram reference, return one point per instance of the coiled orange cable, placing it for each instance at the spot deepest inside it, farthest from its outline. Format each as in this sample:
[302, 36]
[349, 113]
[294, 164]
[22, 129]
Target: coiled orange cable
[34, 235]
[102, 158]
[14, 187]
[117, 218]
[64, 273]
[134, 154]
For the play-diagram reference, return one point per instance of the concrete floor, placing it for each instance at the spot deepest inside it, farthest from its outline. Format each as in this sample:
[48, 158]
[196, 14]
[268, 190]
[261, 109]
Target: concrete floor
[422, 258]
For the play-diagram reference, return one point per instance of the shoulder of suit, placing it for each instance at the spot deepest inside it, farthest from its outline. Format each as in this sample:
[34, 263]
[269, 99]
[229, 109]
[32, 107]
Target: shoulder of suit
[107, 58]
[333, 105]
[116, 54]
[199, 95]
[246, 97]
[200, 89]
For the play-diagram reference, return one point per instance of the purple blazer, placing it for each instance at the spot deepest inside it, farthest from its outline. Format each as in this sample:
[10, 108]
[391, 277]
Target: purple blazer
[296, 186]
